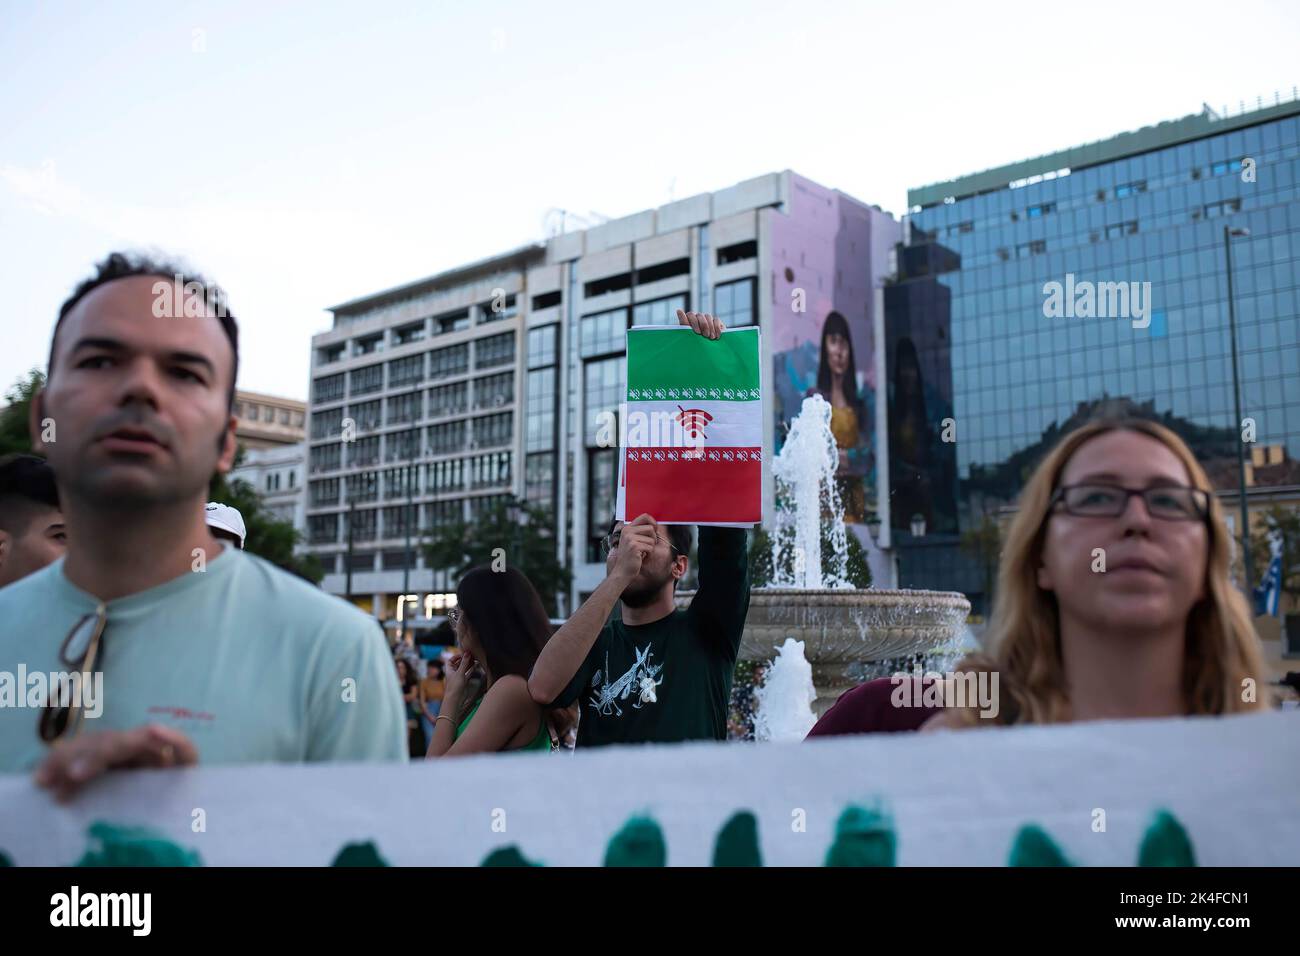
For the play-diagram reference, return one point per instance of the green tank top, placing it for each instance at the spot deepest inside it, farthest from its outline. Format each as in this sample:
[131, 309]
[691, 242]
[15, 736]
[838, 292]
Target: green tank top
[540, 741]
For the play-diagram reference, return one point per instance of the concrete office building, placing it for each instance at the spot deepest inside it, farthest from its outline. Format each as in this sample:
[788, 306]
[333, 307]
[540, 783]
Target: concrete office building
[443, 397]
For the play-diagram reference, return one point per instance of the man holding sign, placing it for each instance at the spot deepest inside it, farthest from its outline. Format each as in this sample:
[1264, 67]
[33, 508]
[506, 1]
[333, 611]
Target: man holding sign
[657, 674]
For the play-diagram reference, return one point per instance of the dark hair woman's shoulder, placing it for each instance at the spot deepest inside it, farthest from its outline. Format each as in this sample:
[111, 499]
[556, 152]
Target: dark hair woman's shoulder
[884, 705]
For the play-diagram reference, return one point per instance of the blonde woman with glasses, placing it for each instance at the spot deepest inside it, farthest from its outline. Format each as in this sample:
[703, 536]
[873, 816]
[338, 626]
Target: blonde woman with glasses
[1114, 595]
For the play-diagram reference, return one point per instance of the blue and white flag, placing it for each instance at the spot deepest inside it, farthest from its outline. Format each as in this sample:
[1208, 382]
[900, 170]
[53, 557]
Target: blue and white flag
[1270, 589]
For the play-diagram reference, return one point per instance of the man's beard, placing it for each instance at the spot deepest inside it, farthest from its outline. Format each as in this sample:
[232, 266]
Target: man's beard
[646, 587]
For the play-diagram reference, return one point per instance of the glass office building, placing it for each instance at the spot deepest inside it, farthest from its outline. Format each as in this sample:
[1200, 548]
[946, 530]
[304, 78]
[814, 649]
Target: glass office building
[1032, 297]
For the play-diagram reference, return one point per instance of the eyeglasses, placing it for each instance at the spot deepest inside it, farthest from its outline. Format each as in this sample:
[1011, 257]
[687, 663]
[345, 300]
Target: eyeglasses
[78, 653]
[610, 542]
[1170, 503]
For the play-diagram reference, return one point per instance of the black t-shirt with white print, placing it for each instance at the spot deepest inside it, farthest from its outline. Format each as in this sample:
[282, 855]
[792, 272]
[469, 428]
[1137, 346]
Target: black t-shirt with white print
[670, 680]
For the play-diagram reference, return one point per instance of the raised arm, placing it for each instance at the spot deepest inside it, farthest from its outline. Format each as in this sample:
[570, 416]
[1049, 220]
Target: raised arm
[569, 646]
[722, 601]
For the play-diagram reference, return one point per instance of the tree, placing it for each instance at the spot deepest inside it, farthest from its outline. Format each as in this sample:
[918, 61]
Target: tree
[14, 434]
[494, 540]
[1278, 520]
[267, 536]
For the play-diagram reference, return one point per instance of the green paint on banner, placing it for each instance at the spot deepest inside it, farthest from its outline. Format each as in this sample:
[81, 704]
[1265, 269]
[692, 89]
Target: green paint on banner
[675, 360]
[507, 856]
[862, 838]
[133, 846]
[1033, 847]
[737, 843]
[359, 854]
[1166, 843]
[639, 843]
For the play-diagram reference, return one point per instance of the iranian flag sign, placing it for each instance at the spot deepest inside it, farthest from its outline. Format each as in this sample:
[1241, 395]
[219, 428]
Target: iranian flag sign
[692, 450]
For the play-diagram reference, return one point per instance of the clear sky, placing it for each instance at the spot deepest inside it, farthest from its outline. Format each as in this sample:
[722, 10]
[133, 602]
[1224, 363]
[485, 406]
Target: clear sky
[303, 154]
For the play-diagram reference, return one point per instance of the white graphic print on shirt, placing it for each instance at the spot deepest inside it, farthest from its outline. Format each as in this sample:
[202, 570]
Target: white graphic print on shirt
[639, 679]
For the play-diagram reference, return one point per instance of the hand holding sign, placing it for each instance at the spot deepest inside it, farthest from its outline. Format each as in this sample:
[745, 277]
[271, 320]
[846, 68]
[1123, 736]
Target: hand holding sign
[702, 323]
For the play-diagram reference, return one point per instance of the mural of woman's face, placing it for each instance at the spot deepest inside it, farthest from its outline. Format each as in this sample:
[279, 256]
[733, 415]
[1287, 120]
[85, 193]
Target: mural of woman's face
[837, 353]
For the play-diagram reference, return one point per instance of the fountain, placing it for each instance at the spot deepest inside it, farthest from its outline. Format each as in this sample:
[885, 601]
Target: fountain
[843, 629]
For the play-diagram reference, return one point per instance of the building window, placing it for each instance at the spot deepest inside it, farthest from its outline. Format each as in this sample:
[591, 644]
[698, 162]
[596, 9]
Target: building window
[268, 415]
[298, 419]
[480, 508]
[444, 363]
[325, 457]
[324, 492]
[403, 408]
[1033, 248]
[608, 284]
[366, 415]
[331, 353]
[444, 514]
[323, 529]
[268, 483]
[405, 371]
[451, 322]
[602, 487]
[659, 311]
[360, 561]
[448, 399]
[734, 303]
[292, 476]
[327, 424]
[363, 486]
[284, 416]
[539, 479]
[603, 332]
[1129, 189]
[547, 300]
[542, 346]
[369, 345]
[539, 420]
[398, 519]
[494, 350]
[327, 389]
[1222, 208]
[408, 334]
[448, 437]
[1120, 229]
[363, 451]
[362, 381]
[604, 388]
[486, 471]
[493, 430]
[738, 252]
[365, 524]
[663, 270]
[446, 476]
[403, 445]
[497, 309]
[494, 391]
[253, 411]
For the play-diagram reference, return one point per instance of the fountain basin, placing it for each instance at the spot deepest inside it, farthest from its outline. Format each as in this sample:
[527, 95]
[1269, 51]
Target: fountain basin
[845, 627]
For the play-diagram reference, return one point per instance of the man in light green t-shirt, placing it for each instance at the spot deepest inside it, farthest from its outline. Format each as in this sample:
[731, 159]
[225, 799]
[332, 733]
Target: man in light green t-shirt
[204, 653]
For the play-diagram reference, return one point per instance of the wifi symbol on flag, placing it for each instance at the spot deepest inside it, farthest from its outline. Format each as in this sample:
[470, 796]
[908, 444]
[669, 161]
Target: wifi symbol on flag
[693, 420]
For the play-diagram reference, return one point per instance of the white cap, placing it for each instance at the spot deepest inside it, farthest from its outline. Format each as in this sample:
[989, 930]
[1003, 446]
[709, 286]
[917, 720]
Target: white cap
[227, 519]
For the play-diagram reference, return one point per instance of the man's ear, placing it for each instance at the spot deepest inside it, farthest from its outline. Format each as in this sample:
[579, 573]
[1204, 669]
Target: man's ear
[5, 546]
[229, 447]
[681, 564]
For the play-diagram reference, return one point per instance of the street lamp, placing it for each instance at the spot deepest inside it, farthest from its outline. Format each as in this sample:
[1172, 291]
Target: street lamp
[873, 527]
[918, 526]
[1228, 233]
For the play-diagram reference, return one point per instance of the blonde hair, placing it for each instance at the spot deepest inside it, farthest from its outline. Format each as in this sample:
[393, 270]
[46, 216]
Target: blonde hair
[1024, 644]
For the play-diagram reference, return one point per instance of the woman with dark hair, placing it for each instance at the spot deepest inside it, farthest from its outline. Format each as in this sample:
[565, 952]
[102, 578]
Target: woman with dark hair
[407, 680]
[501, 627]
[837, 383]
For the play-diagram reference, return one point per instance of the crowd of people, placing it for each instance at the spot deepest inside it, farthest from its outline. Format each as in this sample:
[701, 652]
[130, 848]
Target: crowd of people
[231, 660]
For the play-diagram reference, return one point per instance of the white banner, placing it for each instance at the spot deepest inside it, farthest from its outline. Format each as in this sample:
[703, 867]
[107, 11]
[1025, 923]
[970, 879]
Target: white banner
[957, 798]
